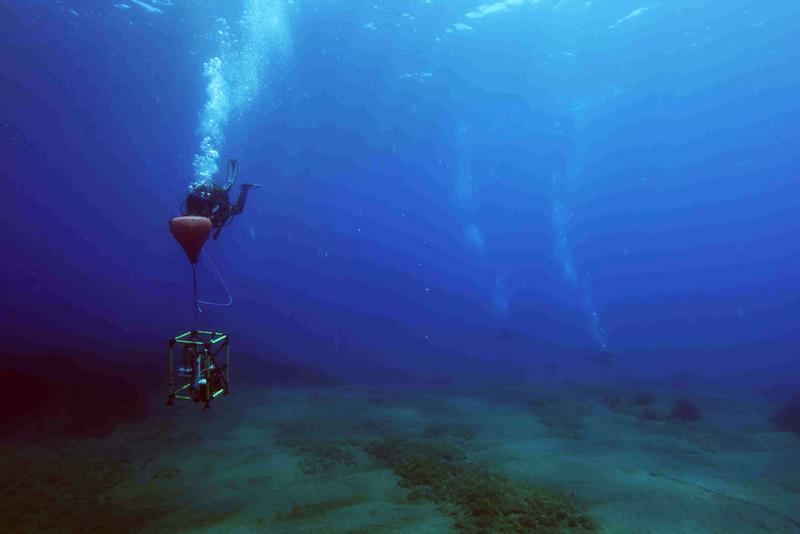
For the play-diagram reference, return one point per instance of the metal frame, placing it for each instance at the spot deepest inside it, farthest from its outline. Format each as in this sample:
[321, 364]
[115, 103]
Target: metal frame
[206, 346]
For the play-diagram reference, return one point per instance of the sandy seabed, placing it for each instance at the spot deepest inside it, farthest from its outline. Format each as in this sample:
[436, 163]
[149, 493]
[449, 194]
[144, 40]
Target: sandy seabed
[573, 458]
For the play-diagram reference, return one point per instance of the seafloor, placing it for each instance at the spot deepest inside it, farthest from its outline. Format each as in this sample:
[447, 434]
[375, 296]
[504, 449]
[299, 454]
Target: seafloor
[573, 458]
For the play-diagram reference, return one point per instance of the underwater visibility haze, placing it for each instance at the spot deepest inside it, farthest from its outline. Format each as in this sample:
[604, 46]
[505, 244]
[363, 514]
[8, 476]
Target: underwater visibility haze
[497, 266]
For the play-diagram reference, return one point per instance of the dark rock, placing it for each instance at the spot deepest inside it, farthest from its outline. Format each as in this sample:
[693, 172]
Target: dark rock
[782, 392]
[685, 410]
[612, 402]
[72, 395]
[643, 398]
[788, 416]
[651, 414]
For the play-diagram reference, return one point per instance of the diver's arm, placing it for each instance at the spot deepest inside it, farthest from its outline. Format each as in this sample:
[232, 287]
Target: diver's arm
[238, 208]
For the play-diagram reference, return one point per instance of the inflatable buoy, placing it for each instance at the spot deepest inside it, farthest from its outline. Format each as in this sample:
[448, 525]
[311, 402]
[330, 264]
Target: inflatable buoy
[191, 233]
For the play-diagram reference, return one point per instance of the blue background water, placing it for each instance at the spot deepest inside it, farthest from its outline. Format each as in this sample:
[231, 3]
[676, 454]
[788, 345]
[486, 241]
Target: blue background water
[451, 192]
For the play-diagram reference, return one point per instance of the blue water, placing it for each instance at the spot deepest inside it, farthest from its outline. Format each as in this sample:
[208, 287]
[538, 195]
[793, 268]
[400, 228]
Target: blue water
[451, 191]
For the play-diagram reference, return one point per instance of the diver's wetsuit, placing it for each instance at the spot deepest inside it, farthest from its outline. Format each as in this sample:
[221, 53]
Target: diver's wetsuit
[212, 201]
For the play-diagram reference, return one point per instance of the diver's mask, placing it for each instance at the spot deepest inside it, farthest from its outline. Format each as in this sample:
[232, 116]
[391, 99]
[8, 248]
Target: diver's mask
[197, 198]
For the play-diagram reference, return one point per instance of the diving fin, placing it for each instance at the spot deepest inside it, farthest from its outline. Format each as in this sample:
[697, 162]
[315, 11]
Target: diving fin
[233, 174]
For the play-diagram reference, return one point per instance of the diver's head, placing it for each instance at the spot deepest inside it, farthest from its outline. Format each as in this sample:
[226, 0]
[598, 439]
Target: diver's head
[195, 204]
[197, 199]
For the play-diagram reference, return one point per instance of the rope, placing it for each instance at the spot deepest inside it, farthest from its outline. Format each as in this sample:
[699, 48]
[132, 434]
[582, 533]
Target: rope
[198, 302]
[197, 309]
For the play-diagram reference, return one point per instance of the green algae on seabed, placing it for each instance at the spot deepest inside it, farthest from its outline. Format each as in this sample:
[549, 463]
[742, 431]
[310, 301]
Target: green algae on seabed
[565, 418]
[44, 489]
[324, 457]
[456, 431]
[320, 509]
[478, 500]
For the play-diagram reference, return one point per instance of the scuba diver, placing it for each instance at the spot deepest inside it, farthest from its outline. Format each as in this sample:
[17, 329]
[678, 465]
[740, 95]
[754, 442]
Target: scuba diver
[207, 199]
